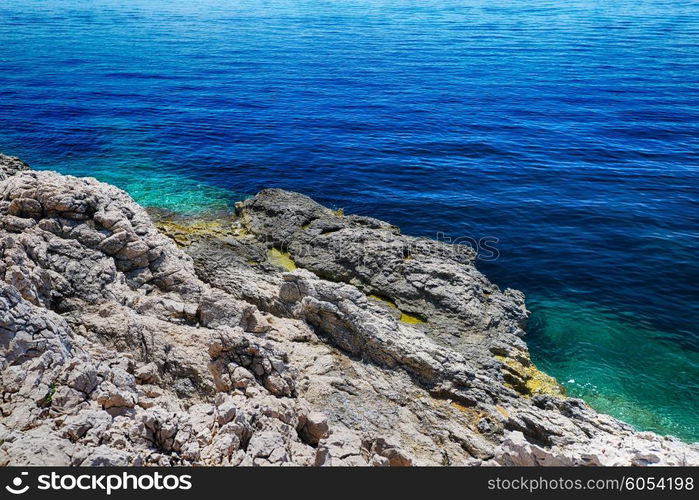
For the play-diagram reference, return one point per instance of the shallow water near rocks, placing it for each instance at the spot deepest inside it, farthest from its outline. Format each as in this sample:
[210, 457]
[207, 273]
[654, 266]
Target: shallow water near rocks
[566, 130]
[582, 344]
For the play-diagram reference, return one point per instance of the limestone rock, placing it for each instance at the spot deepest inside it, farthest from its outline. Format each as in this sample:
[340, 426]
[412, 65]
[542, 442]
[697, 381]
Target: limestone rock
[315, 428]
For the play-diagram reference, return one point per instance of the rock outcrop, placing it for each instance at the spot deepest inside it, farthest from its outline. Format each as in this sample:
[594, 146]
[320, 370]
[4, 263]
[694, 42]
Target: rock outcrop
[285, 334]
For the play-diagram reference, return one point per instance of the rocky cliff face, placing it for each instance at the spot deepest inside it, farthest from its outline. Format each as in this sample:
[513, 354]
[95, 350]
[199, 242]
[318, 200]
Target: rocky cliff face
[286, 334]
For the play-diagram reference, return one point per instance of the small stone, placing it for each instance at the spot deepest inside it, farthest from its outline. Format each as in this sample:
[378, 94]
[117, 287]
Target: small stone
[242, 378]
[147, 374]
[316, 427]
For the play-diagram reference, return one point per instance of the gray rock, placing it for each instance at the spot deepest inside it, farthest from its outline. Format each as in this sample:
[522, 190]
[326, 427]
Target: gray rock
[10, 165]
[104, 456]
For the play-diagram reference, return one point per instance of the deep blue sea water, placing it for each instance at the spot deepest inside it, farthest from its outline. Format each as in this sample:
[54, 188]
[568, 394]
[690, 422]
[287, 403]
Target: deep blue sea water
[568, 129]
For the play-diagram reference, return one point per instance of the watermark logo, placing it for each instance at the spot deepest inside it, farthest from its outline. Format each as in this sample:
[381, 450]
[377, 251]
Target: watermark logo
[16, 488]
[108, 483]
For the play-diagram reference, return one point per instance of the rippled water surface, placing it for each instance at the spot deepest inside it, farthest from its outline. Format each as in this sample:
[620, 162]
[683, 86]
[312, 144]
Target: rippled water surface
[568, 130]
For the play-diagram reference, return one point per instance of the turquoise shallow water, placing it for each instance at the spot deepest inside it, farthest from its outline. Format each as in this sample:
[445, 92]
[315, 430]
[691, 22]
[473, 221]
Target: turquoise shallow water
[171, 190]
[568, 130]
[582, 345]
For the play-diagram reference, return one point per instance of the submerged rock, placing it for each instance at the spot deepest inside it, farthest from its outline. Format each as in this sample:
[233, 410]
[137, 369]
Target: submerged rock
[284, 334]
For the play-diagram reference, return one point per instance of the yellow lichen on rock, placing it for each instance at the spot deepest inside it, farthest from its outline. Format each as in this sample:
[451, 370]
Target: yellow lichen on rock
[410, 319]
[384, 300]
[281, 259]
[527, 379]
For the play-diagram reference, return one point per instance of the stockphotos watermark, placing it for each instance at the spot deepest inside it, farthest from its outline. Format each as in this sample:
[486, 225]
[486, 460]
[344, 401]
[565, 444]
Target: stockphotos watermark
[100, 482]
[363, 252]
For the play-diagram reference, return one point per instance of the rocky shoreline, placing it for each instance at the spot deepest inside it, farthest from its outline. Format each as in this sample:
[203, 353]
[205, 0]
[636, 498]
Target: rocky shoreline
[286, 334]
